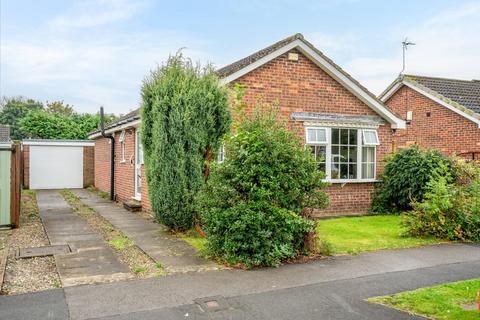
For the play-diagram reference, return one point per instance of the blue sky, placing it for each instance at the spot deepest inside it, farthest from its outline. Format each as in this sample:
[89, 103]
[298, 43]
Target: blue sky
[97, 52]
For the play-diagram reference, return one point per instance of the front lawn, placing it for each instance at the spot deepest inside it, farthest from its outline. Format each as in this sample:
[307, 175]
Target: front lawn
[439, 302]
[358, 234]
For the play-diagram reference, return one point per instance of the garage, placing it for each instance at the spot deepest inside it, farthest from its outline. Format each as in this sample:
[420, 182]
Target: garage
[57, 164]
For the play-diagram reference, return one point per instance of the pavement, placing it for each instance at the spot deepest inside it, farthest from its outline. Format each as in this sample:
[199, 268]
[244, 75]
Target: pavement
[334, 288]
[91, 260]
[174, 254]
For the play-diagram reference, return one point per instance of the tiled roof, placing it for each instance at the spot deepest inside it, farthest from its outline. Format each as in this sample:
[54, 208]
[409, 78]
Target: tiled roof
[4, 133]
[242, 63]
[129, 117]
[464, 92]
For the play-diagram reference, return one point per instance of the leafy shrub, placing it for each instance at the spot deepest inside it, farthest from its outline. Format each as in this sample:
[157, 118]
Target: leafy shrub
[450, 210]
[184, 115]
[405, 178]
[252, 204]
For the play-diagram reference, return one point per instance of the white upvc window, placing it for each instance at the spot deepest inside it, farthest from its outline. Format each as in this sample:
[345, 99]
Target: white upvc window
[344, 154]
[370, 137]
[122, 145]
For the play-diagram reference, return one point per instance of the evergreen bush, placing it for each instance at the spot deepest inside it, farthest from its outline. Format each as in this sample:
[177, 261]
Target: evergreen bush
[450, 209]
[405, 178]
[184, 115]
[252, 205]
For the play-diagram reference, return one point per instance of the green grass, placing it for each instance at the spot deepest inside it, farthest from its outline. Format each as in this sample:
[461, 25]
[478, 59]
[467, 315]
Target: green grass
[439, 302]
[369, 233]
[193, 239]
[121, 243]
[139, 269]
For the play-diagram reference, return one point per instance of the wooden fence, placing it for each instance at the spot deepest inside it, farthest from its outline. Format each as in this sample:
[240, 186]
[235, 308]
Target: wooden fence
[10, 188]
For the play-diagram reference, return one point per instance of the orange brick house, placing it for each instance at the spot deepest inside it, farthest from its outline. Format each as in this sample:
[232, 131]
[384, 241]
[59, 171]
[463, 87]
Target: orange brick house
[347, 128]
[440, 113]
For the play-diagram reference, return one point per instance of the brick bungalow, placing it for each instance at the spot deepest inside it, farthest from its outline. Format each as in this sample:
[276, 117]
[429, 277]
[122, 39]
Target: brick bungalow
[440, 113]
[340, 120]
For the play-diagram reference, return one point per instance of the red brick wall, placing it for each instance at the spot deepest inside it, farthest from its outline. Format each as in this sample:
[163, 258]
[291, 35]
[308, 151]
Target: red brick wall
[124, 170]
[88, 166]
[301, 86]
[102, 164]
[444, 130]
[26, 167]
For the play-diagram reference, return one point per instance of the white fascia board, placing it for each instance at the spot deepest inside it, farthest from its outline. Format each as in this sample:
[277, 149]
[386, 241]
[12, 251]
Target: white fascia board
[328, 68]
[59, 143]
[6, 145]
[133, 124]
[390, 92]
[261, 62]
[443, 103]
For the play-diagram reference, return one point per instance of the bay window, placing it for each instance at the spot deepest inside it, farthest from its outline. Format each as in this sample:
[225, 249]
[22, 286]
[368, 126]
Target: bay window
[344, 154]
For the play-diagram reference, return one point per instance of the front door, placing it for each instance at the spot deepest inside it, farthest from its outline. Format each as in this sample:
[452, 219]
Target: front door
[138, 165]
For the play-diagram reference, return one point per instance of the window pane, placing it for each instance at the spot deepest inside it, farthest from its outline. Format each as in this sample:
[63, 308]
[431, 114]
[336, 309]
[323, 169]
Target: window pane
[335, 136]
[368, 154]
[368, 171]
[311, 134]
[321, 153]
[335, 170]
[321, 135]
[343, 171]
[370, 137]
[352, 171]
[352, 151]
[344, 136]
[353, 137]
[343, 154]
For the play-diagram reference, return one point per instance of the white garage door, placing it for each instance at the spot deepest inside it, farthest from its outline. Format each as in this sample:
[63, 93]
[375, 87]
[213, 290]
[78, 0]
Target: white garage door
[56, 167]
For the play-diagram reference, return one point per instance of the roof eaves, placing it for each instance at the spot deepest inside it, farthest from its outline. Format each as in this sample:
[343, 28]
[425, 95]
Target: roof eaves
[411, 80]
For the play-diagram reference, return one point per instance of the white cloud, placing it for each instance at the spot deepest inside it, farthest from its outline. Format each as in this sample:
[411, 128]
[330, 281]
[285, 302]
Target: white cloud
[447, 45]
[92, 13]
[106, 70]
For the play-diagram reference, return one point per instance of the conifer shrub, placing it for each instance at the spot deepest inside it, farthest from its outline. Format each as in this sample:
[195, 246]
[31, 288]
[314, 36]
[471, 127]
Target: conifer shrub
[184, 113]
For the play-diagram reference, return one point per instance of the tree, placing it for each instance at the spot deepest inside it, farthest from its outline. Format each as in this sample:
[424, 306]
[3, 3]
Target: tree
[12, 110]
[184, 115]
[60, 107]
[53, 125]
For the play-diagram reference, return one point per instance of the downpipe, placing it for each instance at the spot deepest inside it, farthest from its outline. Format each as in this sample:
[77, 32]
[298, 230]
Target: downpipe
[112, 154]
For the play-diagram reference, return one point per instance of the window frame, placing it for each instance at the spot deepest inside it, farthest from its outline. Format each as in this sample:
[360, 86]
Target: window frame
[121, 139]
[369, 144]
[317, 143]
[328, 154]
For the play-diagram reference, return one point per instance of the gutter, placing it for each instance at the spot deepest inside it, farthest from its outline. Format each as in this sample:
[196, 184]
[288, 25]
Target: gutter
[112, 154]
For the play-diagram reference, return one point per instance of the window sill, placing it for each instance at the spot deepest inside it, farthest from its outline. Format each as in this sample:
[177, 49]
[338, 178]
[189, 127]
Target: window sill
[343, 181]
[138, 198]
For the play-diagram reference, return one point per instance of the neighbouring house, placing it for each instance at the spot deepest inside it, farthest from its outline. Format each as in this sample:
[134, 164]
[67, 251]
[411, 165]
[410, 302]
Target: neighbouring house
[347, 128]
[440, 113]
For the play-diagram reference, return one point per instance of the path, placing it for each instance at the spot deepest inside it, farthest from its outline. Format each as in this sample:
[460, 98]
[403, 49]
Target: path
[174, 254]
[90, 260]
[333, 288]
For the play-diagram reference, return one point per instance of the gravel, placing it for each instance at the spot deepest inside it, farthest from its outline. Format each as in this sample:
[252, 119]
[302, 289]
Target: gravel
[33, 274]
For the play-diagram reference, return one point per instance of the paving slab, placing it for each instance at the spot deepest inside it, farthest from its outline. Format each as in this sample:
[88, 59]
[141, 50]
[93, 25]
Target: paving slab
[42, 251]
[174, 254]
[91, 260]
